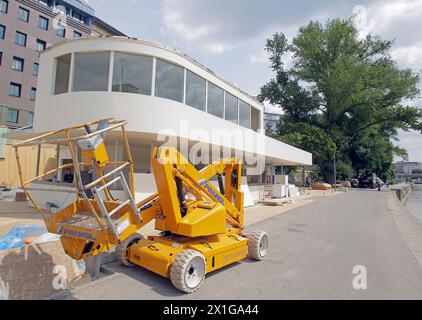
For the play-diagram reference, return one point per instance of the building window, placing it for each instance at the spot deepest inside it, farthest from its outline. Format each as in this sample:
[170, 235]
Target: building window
[40, 45]
[35, 69]
[23, 14]
[17, 64]
[61, 31]
[44, 2]
[20, 39]
[169, 81]
[33, 94]
[43, 23]
[2, 31]
[91, 71]
[30, 118]
[215, 100]
[76, 35]
[195, 91]
[12, 115]
[256, 119]
[4, 5]
[1, 57]
[61, 83]
[132, 73]
[231, 108]
[61, 9]
[15, 89]
[244, 114]
[76, 16]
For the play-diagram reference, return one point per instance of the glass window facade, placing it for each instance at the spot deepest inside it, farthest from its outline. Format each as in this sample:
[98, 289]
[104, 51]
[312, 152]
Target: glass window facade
[195, 91]
[20, 38]
[61, 82]
[30, 118]
[61, 31]
[12, 115]
[215, 100]
[15, 89]
[40, 45]
[44, 2]
[33, 94]
[35, 69]
[43, 23]
[23, 14]
[231, 108]
[169, 81]
[4, 5]
[255, 119]
[91, 71]
[17, 64]
[132, 73]
[244, 114]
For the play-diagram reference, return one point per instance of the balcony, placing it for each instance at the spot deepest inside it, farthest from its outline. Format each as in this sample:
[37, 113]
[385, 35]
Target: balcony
[80, 5]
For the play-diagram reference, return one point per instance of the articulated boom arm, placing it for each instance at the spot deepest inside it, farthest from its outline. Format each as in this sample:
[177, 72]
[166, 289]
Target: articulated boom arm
[174, 176]
[198, 219]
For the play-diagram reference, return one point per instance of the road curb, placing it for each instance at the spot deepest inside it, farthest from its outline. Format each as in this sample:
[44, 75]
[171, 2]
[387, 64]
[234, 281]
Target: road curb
[408, 226]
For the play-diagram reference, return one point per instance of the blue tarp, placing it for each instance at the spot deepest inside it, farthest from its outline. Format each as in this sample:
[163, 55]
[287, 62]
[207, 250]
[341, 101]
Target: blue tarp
[15, 237]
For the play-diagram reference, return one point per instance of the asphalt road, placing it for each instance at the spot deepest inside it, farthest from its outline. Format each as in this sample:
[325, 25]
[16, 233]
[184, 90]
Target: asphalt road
[313, 251]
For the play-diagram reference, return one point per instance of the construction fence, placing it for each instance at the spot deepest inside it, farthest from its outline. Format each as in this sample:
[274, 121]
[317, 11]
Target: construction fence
[9, 174]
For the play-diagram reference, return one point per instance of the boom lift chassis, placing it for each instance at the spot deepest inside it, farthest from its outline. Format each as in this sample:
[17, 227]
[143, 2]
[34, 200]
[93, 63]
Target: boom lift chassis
[201, 226]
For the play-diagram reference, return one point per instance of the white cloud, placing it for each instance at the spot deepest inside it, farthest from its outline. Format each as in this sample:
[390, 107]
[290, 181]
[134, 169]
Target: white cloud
[219, 26]
[259, 57]
[173, 21]
[271, 108]
[411, 141]
[409, 56]
[398, 20]
[222, 25]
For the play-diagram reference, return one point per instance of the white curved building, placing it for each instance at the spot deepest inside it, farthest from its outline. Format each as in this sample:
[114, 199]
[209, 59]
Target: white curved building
[165, 95]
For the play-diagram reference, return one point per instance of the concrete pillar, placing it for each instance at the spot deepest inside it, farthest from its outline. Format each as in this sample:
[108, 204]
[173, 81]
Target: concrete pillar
[93, 265]
[38, 160]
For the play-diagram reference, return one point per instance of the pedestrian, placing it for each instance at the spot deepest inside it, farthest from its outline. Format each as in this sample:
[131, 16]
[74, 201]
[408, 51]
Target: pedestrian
[68, 177]
[309, 181]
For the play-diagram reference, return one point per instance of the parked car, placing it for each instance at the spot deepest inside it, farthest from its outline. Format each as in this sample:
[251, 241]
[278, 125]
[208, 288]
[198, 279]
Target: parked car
[355, 183]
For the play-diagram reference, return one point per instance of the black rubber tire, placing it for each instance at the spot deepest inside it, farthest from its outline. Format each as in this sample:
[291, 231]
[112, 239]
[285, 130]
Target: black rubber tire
[121, 249]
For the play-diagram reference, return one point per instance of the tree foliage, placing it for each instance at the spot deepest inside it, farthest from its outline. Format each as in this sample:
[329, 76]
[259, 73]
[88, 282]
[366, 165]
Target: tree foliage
[342, 96]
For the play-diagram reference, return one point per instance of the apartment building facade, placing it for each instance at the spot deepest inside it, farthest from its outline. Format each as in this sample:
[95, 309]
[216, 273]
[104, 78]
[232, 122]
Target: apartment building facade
[408, 168]
[28, 27]
[100, 28]
[271, 121]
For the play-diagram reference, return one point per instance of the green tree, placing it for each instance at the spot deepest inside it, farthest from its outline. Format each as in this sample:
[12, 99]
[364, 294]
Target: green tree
[342, 97]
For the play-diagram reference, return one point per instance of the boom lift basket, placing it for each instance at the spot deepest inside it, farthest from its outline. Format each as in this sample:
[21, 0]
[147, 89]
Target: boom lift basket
[96, 219]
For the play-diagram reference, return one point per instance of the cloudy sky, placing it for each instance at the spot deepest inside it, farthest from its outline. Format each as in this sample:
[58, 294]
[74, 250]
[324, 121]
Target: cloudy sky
[228, 36]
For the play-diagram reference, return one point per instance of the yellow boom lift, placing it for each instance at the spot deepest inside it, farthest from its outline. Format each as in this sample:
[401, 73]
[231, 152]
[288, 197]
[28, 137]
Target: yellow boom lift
[202, 227]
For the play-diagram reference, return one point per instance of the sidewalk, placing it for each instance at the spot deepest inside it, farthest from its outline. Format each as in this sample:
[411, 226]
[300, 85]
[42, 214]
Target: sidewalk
[14, 214]
[24, 279]
[313, 252]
